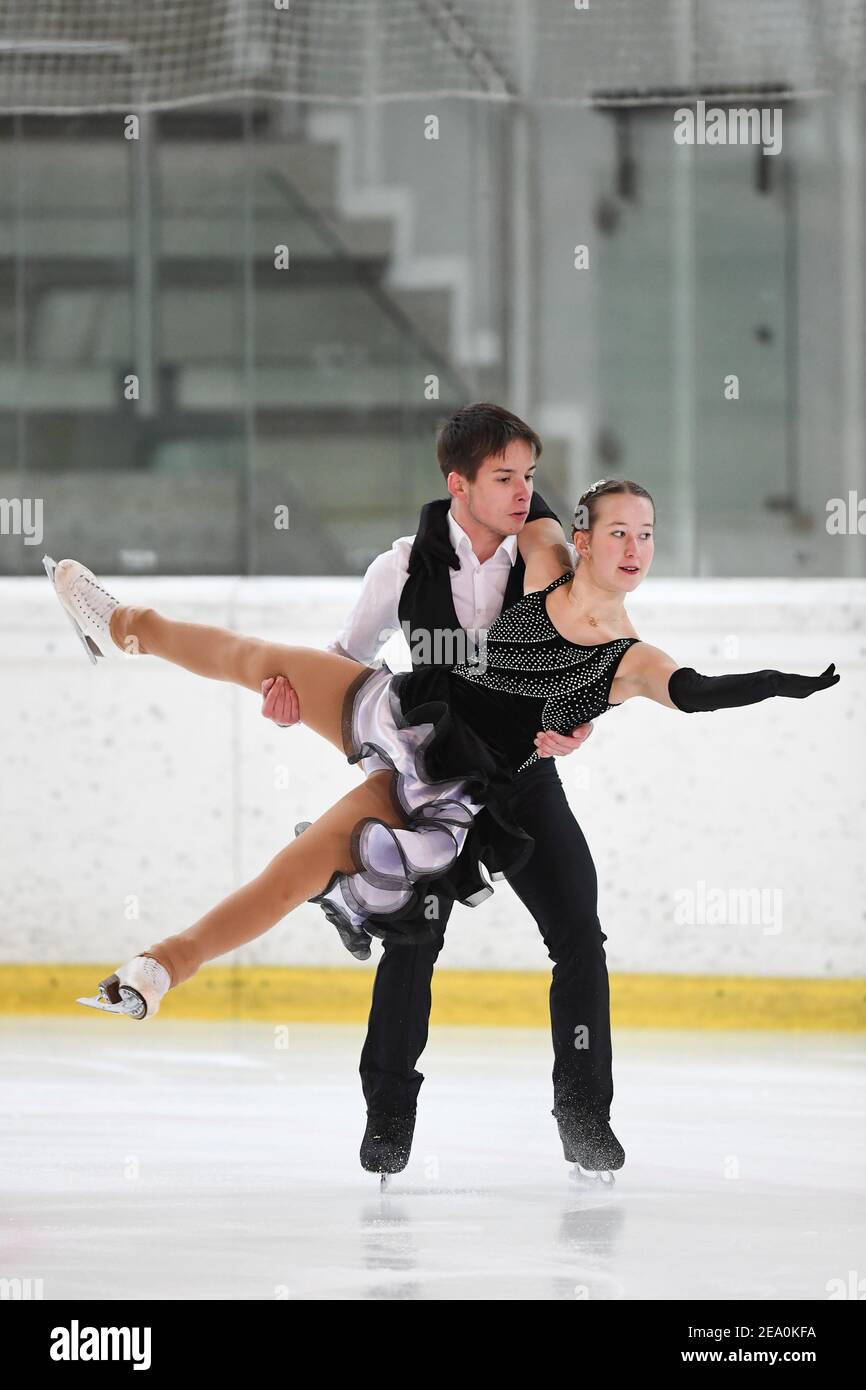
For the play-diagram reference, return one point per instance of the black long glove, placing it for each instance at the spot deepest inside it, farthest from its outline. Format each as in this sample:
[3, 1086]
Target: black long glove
[692, 692]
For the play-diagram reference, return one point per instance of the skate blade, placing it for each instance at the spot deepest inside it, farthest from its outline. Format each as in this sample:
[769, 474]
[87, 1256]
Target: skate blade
[131, 1007]
[97, 1003]
[591, 1177]
[87, 643]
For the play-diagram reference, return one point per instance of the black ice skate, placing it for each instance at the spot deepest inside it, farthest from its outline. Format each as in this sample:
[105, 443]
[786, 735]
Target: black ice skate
[590, 1144]
[387, 1141]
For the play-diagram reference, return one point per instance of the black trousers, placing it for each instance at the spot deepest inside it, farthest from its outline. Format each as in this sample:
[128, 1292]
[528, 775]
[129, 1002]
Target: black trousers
[558, 885]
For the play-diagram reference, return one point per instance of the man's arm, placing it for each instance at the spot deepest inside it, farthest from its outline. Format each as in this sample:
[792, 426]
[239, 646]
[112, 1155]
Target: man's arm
[374, 617]
[545, 552]
[538, 508]
[548, 743]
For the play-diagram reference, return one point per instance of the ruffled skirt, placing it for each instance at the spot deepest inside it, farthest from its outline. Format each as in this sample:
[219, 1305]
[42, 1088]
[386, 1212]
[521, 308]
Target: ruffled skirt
[452, 793]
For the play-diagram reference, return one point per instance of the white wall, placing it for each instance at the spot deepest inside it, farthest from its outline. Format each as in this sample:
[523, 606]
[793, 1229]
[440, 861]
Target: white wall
[135, 778]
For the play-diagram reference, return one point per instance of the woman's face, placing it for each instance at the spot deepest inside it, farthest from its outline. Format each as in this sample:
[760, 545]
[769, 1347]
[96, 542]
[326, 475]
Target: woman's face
[618, 551]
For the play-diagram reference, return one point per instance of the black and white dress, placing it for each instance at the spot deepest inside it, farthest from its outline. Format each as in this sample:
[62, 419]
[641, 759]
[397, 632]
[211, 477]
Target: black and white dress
[455, 737]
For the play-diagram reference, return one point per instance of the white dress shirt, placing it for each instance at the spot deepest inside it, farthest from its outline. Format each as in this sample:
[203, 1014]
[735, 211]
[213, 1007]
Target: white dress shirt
[478, 591]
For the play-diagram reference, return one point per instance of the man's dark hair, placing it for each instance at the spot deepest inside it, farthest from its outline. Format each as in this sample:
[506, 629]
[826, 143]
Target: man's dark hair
[472, 433]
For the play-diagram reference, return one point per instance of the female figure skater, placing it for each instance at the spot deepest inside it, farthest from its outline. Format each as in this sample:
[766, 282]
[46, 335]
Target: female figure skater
[438, 746]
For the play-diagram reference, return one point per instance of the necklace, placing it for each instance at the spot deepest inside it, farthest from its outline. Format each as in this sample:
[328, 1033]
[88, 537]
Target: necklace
[593, 622]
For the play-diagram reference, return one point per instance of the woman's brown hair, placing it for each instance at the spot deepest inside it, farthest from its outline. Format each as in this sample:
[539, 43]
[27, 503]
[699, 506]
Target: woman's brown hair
[586, 511]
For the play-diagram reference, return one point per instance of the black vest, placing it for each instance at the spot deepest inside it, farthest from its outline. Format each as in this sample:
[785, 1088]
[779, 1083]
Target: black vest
[426, 608]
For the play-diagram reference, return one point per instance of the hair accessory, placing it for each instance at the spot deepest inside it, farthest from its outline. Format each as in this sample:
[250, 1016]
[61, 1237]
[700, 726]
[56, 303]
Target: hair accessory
[588, 491]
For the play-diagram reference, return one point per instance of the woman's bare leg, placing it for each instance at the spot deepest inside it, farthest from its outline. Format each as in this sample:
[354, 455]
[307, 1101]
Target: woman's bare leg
[320, 678]
[299, 871]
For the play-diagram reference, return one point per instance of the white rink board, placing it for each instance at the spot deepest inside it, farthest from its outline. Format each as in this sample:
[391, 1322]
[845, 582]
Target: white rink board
[138, 787]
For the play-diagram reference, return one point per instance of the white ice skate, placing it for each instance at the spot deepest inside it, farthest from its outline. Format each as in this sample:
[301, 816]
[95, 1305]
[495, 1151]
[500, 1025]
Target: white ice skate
[135, 989]
[87, 605]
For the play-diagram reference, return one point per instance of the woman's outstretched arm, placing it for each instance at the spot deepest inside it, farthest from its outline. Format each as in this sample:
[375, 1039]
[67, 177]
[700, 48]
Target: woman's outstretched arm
[650, 672]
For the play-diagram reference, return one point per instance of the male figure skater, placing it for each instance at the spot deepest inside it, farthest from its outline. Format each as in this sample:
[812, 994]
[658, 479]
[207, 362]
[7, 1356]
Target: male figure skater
[443, 586]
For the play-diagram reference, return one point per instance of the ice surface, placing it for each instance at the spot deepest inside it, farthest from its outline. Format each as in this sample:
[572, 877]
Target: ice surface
[182, 1160]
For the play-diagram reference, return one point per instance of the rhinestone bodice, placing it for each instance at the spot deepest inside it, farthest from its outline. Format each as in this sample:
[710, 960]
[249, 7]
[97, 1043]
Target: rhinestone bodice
[560, 683]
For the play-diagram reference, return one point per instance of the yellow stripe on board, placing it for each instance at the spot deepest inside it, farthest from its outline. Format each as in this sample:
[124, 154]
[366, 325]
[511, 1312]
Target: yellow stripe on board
[501, 998]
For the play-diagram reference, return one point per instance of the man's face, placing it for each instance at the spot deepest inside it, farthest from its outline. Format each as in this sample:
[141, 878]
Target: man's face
[499, 495]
